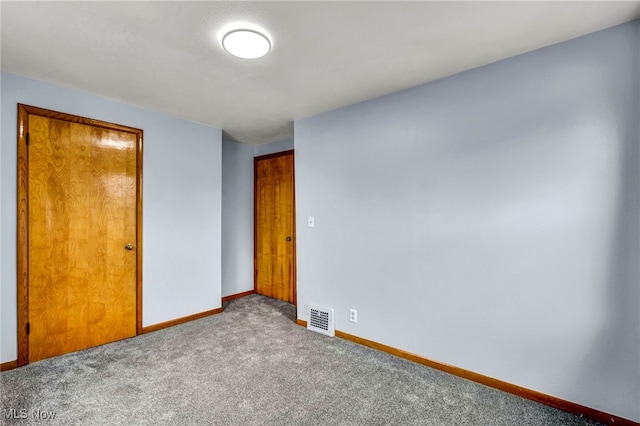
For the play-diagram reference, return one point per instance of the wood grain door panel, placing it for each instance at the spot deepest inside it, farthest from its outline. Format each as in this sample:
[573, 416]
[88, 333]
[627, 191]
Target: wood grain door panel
[275, 227]
[83, 208]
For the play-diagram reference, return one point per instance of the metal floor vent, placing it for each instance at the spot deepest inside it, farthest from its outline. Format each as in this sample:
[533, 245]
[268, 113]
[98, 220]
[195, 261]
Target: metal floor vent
[321, 320]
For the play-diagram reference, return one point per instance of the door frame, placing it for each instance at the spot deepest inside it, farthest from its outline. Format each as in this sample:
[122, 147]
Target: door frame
[294, 280]
[24, 111]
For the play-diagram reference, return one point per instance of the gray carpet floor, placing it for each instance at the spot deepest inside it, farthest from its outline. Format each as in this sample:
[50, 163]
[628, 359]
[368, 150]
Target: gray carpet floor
[251, 365]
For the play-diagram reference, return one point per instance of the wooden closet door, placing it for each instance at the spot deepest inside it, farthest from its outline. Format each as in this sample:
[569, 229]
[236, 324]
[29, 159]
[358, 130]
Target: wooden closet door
[275, 227]
[82, 236]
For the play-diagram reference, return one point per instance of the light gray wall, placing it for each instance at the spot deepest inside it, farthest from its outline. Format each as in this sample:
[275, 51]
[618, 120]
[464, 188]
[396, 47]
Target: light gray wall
[489, 220]
[237, 217]
[237, 211]
[273, 147]
[181, 203]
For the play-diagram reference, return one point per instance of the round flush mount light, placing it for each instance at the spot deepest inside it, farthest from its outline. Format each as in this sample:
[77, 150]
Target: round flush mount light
[246, 43]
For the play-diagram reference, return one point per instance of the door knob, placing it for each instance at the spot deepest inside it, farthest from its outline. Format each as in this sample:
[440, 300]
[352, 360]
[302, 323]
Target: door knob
[129, 246]
[288, 238]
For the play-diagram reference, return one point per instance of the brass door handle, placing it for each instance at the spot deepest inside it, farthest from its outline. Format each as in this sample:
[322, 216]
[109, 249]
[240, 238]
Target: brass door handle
[288, 238]
[128, 247]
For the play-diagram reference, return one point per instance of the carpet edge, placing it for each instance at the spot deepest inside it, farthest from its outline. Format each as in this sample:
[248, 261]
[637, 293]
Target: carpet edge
[552, 401]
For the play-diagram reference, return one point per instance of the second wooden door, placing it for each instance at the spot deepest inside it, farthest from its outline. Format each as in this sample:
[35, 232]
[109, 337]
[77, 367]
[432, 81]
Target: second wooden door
[275, 226]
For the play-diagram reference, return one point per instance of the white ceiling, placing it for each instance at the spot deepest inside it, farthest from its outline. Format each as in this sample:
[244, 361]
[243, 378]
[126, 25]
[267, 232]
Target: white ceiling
[164, 56]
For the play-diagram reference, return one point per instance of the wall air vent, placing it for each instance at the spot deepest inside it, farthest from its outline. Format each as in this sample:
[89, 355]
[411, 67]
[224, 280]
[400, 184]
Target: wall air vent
[321, 320]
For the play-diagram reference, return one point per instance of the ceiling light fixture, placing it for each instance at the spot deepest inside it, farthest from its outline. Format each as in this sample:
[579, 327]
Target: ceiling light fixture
[246, 43]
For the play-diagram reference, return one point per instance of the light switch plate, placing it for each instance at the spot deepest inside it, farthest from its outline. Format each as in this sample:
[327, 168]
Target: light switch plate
[311, 222]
